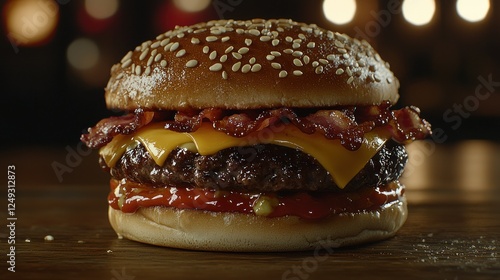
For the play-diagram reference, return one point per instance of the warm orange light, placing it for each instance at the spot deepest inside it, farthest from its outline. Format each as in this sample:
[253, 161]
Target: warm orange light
[192, 6]
[473, 10]
[82, 54]
[339, 11]
[419, 12]
[30, 22]
[101, 9]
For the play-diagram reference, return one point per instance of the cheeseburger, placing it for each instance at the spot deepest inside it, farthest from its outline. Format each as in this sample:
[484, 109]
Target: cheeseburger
[258, 135]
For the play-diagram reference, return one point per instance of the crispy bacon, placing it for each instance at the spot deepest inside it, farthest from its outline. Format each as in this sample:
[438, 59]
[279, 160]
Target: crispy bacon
[348, 124]
[104, 131]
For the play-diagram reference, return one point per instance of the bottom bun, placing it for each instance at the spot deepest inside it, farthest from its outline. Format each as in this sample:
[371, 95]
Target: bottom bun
[236, 232]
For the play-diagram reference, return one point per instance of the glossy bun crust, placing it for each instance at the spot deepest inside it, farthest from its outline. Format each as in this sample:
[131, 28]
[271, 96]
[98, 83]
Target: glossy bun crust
[250, 64]
[201, 230]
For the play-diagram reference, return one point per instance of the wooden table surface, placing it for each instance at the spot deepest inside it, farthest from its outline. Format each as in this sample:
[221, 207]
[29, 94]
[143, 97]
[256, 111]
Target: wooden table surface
[452, 232]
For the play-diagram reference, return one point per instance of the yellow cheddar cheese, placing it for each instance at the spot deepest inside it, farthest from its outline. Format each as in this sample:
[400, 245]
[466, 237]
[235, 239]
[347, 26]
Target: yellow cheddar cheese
[341, 163]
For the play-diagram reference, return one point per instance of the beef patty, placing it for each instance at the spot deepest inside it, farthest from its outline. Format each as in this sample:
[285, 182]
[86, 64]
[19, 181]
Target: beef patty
[259, 168]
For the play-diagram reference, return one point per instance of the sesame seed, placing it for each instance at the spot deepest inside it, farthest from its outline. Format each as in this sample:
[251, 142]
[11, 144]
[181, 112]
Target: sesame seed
[283, 74]
[199, 30]
[236, 66]
[243, 50]
[236, 55]
[377, 57]
[315, 63]
[318, 70]
[302, 36]
[155, 45]
[342, 50]
[167, 46]
[223, 58]
[180, 53]
[215, 67]
[213, 55]
[164, 42]
[297, 53]
[270, 57]
[276, 65]
[256, 67]
[265, 38]
[224, 75]
[127, 57]
[289, 39]
[138, 69]
[211, 38]
[180, 35]
[329, 34]
[143, 54]
[174, 47]
[389, 80]
[295, 45]
[323, 61]
[246, 68]
[275, 53]
[195, 41]
[298, 41]
[311, 45]
[126, 63]
[240, 31]
[252, 60]
[297, 72]
[288, 51]
[306, 59]
[362, 63]
[346, 55]
[163, 63]
[229, 49]
[157, 57]
[225, 39]
[349, 81]
[348, 71]
[339, 71]
[119, 76]
[275, 42]
[192, 63]
[339, 44]
[206, 49]
[297, 62]
[254, 32]
[248, 42]
[215, 32]
[148, 71]
[376, 77]
[330, 57]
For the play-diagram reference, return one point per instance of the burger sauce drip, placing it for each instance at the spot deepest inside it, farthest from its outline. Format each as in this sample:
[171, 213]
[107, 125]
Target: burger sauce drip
[133, 196]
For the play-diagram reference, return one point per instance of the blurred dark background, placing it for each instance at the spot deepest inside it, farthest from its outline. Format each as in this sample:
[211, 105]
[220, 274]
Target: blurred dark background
[55, 56]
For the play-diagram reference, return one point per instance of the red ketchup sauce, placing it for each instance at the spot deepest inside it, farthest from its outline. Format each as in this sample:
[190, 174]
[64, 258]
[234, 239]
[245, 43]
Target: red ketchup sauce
[306, 205]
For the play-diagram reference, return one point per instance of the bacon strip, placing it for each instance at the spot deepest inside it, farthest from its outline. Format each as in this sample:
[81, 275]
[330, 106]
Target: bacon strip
[346, 124]
[104, 131]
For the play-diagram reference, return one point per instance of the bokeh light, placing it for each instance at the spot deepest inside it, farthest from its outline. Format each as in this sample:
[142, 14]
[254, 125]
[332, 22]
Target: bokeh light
[82, 54]
[101, 9]
[192, 6]
[419, 12]
[339, 11]
[30, 22]
[473, 10]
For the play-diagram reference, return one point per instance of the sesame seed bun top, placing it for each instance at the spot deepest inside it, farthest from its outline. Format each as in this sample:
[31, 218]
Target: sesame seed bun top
[250, 64]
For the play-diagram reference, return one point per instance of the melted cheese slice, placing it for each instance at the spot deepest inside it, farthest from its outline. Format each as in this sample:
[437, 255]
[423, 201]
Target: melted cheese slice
[342, 164]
